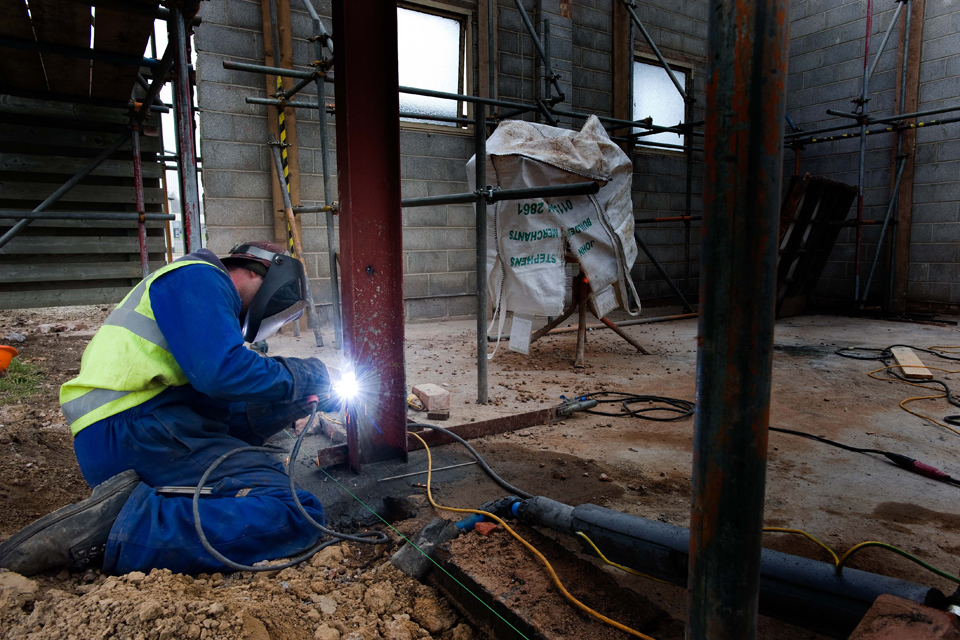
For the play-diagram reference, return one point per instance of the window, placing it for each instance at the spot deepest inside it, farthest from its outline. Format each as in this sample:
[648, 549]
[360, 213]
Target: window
[654, 96]
[432, 54]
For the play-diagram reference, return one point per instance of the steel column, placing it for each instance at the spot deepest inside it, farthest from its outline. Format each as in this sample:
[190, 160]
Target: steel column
[371, 250]
[183, 114]
[746, 101]
[138, 197]
[480, 205]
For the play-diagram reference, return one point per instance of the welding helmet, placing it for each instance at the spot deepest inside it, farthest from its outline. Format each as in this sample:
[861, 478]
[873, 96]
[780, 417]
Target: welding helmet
[282, 294]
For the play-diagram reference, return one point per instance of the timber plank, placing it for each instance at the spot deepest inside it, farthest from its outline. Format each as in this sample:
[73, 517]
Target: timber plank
[66, 23]
[51, 136]
[38, 191]
[83, 224]
[118, 32]
[911, 365]
[61, 297]
[17, 273]
[71, 165]
[35, 245]
[18, 105]
[18, 68]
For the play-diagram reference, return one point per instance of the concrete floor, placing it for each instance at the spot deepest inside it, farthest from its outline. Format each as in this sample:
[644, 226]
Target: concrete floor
[843, 498]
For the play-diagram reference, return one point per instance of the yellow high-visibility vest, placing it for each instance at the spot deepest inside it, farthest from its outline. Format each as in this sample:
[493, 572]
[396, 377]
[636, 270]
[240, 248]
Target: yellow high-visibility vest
[126, 363]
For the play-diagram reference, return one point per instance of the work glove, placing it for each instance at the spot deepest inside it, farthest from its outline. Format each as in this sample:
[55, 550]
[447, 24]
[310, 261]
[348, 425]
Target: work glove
[310, 378]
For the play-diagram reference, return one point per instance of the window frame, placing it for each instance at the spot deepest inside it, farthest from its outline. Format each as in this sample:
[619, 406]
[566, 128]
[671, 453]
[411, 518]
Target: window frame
[465, 17]
[681, 66]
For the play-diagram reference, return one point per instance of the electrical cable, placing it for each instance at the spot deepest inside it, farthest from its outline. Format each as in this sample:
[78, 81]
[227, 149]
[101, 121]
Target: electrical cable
[946, 352]
[902, 461]
[480, 461]
[370, 537]
[679, 407]
[840, 561]
[618, 566]
[553, 574]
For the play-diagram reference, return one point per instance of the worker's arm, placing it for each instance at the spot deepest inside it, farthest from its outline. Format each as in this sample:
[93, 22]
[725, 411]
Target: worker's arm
[197, 308]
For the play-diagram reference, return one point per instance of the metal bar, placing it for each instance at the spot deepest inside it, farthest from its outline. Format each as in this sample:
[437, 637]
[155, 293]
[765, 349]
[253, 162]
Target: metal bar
[125, 105]
[274, 102]
[146, 87]
[862, 158]
[889, 129]
[646, 36]
[327, 191]
[902, 163]
[83, 215]
[498, 195]
[78, 52]
[480, 206]
[663, 273]
[688, 201]
[546, 53]
[312, 321]
[270, 71]
[183, 115]
[491, 54]
[160, 79]
[610, 324]
[582, 296]
[314, 209]
[296, 88]
[434, 470]
[896, 209]
[547, 68]
[747, 53]
[666, 219]
[325, 38]
[371, 227]
[871, 121]
[427, 116]
[883, 43]
[138, 197]
[65, 187]
[625, 323]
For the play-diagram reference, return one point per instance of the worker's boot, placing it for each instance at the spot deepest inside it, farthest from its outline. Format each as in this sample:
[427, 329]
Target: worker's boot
[72, 536]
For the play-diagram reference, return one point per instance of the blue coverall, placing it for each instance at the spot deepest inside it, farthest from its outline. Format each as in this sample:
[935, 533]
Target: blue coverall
[171, 439]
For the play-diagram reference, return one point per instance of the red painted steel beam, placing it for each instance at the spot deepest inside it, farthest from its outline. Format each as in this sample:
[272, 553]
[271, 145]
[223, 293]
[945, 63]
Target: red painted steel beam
[371, 251]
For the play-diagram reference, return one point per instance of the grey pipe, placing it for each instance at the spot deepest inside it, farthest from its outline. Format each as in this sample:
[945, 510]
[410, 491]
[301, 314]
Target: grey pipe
[66, 186]
[896, 208]
[84, 215]
[803, 592]
[883, 43]
[480, 206]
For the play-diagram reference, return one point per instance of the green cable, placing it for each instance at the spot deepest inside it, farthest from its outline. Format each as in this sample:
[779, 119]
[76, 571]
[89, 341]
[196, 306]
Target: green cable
[435, 563]
[890, 547]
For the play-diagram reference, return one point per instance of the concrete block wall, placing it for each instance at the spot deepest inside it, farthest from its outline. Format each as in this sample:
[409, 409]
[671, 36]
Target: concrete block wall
[826, 69]
[439, 242]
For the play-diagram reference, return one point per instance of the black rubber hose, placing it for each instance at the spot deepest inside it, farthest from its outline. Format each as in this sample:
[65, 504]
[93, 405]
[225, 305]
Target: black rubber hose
[372, 537]
[480, 461]
[681, 408]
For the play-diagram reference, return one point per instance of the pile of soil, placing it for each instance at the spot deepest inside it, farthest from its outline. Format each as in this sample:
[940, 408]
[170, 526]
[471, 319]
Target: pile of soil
[38, 471]
[341, 594]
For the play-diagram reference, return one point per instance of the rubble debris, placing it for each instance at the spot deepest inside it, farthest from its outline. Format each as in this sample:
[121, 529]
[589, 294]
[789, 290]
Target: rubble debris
[434, 398]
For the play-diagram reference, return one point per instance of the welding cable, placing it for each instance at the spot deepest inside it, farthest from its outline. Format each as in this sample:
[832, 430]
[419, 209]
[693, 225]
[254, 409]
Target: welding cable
[370, 537]
[480, 461]
[902, 461]
[553, 574]
[680, 408]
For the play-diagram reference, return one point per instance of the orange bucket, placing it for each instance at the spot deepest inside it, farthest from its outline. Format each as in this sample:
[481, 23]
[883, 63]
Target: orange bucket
[6, 355]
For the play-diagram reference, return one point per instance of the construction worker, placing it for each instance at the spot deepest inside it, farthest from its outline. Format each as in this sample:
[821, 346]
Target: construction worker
[166, 387]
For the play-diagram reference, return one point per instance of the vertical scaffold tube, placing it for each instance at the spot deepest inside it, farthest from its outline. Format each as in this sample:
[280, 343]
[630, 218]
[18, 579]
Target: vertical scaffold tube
[746, 99]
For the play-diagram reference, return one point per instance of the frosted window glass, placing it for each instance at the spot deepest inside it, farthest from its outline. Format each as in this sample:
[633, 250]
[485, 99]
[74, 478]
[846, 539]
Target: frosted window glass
[429, 58]
[655, 96]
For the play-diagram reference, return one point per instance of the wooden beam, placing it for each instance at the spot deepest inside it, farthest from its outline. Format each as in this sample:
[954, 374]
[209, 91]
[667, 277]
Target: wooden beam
[40, 134]
[19, 68]
[71, 165]
[17, 273]
[61, 297]
[33, 245]
[118, 32]
[65, 23]
[290, 119]
[37, 191]
[83, 224]
[911, 366]
[622, 63]
[901, 251]
[484, 70]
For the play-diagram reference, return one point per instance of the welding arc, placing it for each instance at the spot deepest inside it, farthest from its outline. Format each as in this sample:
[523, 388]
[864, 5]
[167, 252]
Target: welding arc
[480, 461]
[680, 408]
[370, 537]
[546, 563]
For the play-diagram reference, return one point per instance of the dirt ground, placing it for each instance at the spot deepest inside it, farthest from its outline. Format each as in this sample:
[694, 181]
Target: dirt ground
[841, 497]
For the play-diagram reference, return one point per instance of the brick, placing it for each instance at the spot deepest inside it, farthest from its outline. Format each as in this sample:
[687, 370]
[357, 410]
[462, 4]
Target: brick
[449, 283]
[426, 261]
[424, 217]
[433, 397]
[236, 43]
[892, 618]
[415, 286]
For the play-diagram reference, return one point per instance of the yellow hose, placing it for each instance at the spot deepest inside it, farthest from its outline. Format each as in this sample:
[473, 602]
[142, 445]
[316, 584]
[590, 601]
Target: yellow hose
[553, 574]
